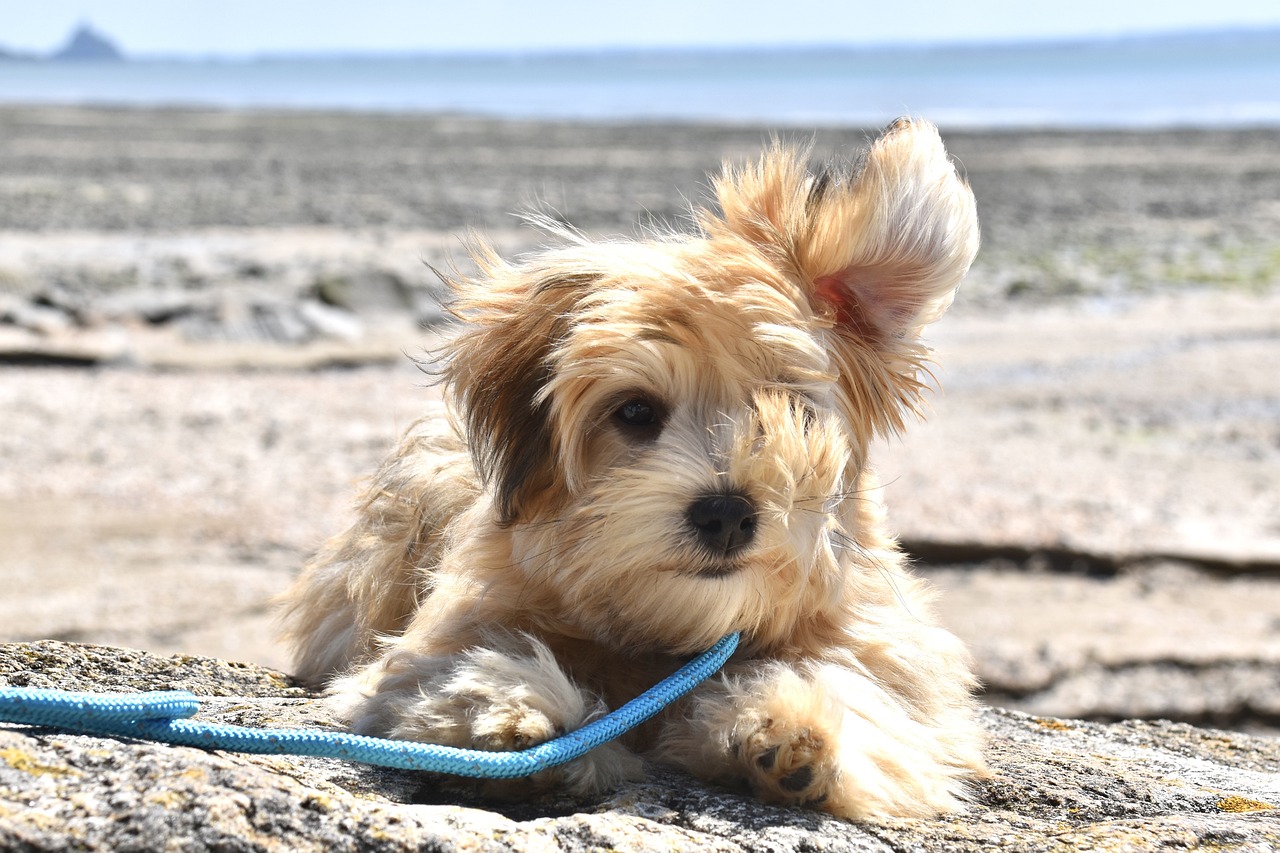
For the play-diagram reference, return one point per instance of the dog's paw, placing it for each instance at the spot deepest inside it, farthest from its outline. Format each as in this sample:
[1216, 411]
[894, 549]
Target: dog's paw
[824, 738]
[785, 765]
[491, 720]
[497, 700]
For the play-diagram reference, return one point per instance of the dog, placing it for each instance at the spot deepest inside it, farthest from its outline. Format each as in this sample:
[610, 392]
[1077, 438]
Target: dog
[649, 444]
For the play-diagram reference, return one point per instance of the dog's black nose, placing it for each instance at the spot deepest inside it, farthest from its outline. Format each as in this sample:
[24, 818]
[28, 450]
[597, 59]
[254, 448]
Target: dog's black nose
[724, 523]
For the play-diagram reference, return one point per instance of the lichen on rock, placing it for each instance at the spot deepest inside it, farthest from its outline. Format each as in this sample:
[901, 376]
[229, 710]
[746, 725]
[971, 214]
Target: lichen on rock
[1056, 785]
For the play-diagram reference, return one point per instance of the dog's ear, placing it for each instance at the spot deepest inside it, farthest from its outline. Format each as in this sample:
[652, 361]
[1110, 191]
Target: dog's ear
[879, 254]
[884, 250]
[495, 371]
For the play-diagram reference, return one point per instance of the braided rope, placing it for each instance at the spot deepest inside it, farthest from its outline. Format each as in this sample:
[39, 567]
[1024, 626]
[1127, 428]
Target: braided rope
[159, 716]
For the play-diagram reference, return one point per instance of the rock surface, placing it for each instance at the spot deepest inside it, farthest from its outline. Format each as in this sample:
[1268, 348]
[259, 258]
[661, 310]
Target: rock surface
[1056, 785]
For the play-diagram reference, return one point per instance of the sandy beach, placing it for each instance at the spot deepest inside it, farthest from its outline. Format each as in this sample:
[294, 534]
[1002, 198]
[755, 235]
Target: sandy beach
[206, 320]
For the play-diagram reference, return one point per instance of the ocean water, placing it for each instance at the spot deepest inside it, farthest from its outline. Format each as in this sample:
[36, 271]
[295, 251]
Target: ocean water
[1225, 79]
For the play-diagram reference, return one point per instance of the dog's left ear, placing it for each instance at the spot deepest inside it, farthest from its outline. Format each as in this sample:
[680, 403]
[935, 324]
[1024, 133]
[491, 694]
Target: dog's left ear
[882, 252]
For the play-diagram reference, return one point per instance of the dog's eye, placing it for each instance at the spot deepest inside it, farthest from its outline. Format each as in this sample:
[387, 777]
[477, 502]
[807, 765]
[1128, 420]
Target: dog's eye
[639, 413]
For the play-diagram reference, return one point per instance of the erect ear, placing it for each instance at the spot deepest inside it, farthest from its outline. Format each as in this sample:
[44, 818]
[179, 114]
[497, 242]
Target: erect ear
[884, 251]
[495, 371]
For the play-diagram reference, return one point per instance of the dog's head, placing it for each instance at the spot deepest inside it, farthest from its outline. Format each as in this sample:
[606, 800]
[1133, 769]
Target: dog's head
[673, 431]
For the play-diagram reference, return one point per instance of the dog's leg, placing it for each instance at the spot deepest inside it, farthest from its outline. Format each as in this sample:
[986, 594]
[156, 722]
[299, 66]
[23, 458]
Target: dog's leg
[368, 581]
[822, 736]
[510, 695]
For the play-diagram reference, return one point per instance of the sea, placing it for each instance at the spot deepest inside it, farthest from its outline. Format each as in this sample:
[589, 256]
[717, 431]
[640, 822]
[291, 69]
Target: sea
[1229, 79]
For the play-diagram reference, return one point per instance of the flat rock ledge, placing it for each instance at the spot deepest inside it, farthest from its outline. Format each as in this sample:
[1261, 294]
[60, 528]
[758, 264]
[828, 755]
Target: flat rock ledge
[1057, 785]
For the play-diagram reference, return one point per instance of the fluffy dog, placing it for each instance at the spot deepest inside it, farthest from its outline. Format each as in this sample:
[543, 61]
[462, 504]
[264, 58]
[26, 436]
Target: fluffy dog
[653, 443]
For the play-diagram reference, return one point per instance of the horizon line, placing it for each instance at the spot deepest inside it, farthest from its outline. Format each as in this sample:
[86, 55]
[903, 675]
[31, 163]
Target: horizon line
[577, 51]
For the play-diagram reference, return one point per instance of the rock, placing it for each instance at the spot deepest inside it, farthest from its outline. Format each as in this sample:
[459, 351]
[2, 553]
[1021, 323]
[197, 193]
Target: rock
[1056, 785]
[368, 291]
[1106, 650]
[34, 317]
[281, 287]
[330, 322]
[87, 44]
[153, 305]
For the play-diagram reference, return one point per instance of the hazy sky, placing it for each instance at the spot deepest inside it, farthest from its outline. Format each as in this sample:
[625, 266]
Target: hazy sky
[245, 27]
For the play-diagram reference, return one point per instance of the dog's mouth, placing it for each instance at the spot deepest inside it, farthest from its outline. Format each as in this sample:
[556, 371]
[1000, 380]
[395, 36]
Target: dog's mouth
[716, 570]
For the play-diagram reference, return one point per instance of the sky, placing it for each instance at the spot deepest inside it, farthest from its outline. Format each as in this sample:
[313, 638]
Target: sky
[241, 28]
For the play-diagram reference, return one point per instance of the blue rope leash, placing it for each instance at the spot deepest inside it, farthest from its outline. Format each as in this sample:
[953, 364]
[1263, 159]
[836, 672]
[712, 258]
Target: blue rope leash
[159, 716]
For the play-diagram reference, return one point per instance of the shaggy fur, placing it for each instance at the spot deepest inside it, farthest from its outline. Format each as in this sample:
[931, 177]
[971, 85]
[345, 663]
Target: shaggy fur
[652, 444]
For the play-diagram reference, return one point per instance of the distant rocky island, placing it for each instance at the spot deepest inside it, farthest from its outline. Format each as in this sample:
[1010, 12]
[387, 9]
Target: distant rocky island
[85, 44]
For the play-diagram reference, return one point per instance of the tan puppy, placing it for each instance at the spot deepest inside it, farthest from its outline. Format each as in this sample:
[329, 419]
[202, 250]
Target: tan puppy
[656, 443]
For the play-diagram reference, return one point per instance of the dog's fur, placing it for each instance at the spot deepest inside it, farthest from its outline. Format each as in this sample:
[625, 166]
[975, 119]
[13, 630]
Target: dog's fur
[655, 443]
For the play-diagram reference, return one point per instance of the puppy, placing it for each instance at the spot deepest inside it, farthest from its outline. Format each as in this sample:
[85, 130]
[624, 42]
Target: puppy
[651, 444]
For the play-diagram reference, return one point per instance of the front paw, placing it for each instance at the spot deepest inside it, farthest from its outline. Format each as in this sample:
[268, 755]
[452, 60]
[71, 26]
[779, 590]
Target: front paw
[488, 699]
[483, 700]
[787, 765]
[825, 737]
